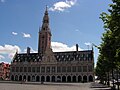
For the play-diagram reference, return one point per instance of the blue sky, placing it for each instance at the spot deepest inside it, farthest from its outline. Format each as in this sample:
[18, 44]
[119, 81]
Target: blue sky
[71, 22]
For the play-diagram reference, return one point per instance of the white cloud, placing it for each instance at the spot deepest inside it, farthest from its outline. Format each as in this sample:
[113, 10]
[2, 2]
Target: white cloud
[57, 47]
[14, 33]
[61, 47]
[2, 57]
[62, 5]
[2, 1]
[26, 35]
[88, 44]
[9, 50]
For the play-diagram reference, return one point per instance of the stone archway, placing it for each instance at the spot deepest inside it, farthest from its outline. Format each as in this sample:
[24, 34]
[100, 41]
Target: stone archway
[85, 78]
[24, 77]
[29, 78]
[37, 78]
[33, 78]
[68, 78]
[47, 78]
[90, 78]
[42, 78]
[16, 77]
[79, 78]
[58, 79]
[20, 78]
[12, 78]
[63, 78]
[53, 78]
[74, 78]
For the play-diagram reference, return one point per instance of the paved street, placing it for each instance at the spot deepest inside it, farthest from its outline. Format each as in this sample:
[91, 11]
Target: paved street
[48, 86]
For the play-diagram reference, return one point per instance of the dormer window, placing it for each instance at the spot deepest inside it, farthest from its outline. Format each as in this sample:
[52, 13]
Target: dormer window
[39, 59]
[67, 56]
[69, 59]
[59, 59]
[57, 56]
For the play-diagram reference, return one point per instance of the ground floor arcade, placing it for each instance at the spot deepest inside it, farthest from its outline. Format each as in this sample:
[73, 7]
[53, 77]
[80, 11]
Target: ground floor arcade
[53, 78]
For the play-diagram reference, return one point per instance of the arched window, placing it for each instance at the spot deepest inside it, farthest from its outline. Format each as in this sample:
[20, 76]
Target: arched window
[42, 78]
[12, 78]
[37, 78]
[29, 78]
[47, 78]
[85, 78]
[63, 78]
[16, 78]
[74, 78]
[20, 78]
[58, 79]
[24, 78]
[53, 78]
[90, 78]
[79, 78]
[68, 78]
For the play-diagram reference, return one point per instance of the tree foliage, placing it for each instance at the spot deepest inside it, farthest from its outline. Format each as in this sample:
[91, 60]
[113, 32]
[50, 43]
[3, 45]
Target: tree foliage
[109, 57]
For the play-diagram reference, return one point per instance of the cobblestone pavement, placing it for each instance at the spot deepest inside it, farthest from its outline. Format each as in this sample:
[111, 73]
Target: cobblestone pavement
[48, 86]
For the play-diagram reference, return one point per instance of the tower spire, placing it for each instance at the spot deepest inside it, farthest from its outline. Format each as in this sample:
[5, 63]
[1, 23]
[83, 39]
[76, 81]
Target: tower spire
[44, 41]
[46, 8]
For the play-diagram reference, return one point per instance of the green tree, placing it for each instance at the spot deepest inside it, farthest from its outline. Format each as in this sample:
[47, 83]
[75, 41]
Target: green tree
[100, 71]
[110, 45]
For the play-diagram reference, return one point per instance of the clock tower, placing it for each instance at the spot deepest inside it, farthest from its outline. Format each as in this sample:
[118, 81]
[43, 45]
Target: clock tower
[44, 41]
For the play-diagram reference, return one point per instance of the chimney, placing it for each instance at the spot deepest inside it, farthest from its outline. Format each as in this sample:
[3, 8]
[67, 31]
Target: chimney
[76, 47]
[28, 50]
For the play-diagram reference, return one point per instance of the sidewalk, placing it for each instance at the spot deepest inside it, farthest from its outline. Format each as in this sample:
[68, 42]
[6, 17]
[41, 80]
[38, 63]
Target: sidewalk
[44, 83]
[99, 86]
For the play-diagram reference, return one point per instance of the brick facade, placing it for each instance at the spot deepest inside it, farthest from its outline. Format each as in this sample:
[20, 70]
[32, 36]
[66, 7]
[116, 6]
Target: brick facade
[4, 71]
